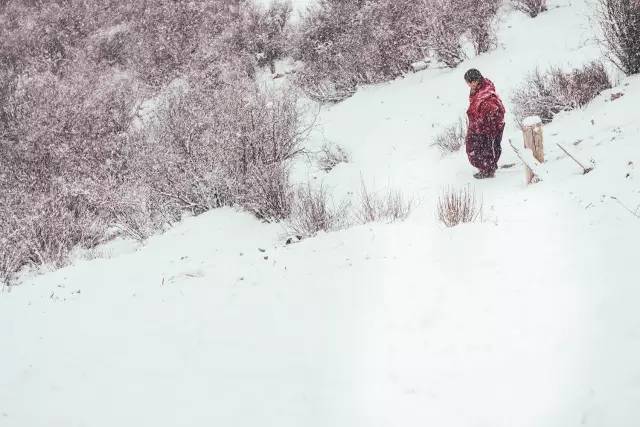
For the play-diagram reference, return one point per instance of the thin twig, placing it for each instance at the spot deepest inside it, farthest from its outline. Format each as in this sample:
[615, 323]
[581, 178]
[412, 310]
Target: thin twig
[635, 212]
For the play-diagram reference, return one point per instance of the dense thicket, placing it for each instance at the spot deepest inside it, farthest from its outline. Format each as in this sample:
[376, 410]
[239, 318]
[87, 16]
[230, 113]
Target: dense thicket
[620, 24]
[345, 43]
[120, 116]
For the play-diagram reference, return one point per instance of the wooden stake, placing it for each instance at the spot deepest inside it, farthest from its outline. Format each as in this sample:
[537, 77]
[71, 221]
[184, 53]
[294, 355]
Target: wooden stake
[528, 164]
[534, 141]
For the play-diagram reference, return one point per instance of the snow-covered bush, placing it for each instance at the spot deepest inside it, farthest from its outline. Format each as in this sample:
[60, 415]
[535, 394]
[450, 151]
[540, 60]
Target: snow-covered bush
[451, 20]
[330, 156]
[268, 32]
[79, 155]
[452, 138]
[266, 191]
[545, 95]
[456, 206]
[531, 7]
[227, 147]
[313, 212]
[61, 157]
[390, 208]
[115, 47]
[13, 252]
[480, 19]
[343, 44]
[620, 24]
[346, 43]
[322, 89]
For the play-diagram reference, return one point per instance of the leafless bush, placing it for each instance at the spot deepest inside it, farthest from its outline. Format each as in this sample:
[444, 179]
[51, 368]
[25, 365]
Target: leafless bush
[115, 47]
[620, 24]
[323, 90]
[451, 20]
[267, 192]
[456, 206]
[63, 165]
[74, 164]
[314, 212]
[545, 95]
[390, 208]
[347, 43]
[446, 43]
[46, 228]
[531, 7]
[452, 138]
[343, 44]
[331, 156]
[480, 19]
[445, 31]
[268, 31]
[229, 147]
[13, 253]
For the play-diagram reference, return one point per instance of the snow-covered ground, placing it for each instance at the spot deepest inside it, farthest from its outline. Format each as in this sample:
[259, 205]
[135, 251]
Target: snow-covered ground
[528, 318]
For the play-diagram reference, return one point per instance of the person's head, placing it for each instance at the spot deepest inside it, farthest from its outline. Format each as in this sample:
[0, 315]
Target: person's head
[473, 78]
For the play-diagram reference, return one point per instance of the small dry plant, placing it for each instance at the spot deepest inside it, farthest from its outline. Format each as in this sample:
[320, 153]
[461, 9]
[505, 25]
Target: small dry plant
[452, 138]
[456, 206]
[390, 208]
[313, 212]
[531, 7]
[330, 156]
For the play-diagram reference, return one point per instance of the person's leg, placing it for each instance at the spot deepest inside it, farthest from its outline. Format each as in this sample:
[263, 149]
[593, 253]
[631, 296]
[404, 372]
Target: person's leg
[496, 152]
[474, 151]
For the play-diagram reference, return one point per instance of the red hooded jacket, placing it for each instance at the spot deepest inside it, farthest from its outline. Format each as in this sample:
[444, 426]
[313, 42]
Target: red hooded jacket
[486, 112]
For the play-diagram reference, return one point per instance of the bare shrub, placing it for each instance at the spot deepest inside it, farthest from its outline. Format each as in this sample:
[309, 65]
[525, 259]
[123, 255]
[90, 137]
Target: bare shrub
[480, 19]
[74, 163]
[456, 206]
[390, 208]
[231, 146]
[452, 138]
[268, 31]
[63, 165]
[13, 254]
[48, 227]
[114, 48]
[620, 24]
[545, 95]
[531, 7]
[314, 212]
[580, 86]
[266, 192]
[451, 20]
[446, 28]
[347, 43]
[445, 40]
[323, 90]
[330, 156]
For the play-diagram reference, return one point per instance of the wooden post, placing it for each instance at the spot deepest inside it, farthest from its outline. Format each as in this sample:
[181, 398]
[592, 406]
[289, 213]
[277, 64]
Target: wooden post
[534, 141]
[529, 163]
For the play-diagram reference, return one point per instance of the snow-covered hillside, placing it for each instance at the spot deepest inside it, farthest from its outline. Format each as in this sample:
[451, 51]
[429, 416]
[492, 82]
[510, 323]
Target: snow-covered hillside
[528, 318]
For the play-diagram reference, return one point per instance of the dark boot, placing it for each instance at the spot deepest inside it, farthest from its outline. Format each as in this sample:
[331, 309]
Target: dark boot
[483, 175]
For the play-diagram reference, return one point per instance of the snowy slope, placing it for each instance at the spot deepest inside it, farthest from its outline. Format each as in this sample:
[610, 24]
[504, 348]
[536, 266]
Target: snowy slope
[528, 318]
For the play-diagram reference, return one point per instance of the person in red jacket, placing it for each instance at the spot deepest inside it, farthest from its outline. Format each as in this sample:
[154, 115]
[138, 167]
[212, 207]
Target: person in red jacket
[486, 124]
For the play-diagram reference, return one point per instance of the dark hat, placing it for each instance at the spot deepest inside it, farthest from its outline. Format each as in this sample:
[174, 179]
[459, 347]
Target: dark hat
[473, 75]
